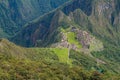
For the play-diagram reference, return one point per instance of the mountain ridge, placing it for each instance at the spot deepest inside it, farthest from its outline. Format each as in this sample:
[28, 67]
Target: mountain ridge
[16, 13]
[108, 32]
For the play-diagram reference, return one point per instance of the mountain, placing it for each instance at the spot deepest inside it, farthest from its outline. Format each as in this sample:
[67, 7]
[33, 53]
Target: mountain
[89, 27]
[77, 41]
[14, 14]
[100, 18]
[46, 63]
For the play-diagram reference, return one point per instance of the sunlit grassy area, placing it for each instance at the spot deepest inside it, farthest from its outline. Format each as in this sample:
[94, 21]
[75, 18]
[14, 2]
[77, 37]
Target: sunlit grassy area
[72, 39]
[71, 36]
[62, 54]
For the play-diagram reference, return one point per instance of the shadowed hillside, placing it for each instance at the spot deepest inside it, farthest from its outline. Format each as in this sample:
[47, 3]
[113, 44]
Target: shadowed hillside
[99, 18]
[16, 13]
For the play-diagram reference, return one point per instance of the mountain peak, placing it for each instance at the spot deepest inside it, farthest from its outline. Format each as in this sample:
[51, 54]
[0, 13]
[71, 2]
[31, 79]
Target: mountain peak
[84, 5]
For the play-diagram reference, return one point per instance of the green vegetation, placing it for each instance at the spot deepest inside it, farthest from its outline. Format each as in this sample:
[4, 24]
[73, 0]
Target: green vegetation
[111, 56]
[82, 60]
[45, 63]
[99, 18]
[96, 45]
[62, 54]
[16, 69]
[72, 39]
[22, 12]
[71, 36]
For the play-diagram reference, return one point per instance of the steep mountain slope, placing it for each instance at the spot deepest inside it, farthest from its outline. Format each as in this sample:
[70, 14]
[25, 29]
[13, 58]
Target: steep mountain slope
[46, 24]
[82, 25]
[15, 13]
[97, 17]
[45, 63]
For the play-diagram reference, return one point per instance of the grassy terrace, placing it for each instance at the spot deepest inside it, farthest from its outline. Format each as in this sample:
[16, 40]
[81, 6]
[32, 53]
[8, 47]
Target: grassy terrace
[72, 39]
[71, 36]
[62, 54]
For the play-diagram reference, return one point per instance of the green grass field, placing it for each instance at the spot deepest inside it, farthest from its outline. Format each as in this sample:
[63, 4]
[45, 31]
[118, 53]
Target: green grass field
[71, 39]
[71, 36]
[62, 54]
